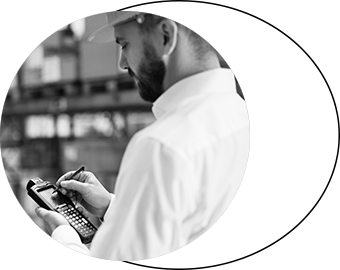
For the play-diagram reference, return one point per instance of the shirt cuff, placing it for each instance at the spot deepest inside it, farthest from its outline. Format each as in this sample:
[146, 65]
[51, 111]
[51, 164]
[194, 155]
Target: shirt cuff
[113, 196]
[67, 236]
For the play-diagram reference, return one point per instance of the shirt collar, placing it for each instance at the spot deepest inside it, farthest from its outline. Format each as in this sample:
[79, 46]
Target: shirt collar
[211, 81]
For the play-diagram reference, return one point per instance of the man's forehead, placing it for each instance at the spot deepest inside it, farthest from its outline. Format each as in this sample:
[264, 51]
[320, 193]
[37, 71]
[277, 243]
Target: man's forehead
[126, 30]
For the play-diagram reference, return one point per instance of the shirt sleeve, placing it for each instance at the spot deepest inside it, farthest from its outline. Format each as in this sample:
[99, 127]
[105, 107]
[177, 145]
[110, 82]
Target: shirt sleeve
[108, 209]
[144, 220]
[67, 236]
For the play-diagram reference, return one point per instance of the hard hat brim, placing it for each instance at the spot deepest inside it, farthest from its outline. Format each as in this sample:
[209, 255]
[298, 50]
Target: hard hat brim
[105, 34]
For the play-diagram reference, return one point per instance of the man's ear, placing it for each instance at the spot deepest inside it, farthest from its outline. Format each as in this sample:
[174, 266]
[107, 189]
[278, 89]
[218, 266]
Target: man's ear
[168, 30]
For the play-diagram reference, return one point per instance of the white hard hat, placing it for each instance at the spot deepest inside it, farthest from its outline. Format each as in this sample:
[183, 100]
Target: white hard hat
[105, 34]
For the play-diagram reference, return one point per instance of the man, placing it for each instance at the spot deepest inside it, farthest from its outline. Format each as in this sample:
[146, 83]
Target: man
[179, 174]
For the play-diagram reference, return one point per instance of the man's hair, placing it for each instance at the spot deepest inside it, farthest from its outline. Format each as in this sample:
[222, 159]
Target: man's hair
[202, 34]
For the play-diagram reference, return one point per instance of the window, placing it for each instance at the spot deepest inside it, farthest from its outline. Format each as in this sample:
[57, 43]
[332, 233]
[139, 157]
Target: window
[64, 126]
[90, 125]
[39, 126]
[52, 69]
[34, 56]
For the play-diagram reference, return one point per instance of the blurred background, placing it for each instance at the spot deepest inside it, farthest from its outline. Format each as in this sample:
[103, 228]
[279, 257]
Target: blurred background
[69, 105]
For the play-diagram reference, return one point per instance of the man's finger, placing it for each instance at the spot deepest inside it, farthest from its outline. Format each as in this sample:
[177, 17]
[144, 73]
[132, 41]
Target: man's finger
[67, 176]
[74, 185]
[41, 212]
[78, 197]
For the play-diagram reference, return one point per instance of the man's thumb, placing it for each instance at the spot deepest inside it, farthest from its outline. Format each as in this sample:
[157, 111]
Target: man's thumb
[74, 185]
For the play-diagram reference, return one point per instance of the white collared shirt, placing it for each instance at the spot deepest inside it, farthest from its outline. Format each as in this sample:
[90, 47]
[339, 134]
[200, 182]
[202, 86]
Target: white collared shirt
[178, 175]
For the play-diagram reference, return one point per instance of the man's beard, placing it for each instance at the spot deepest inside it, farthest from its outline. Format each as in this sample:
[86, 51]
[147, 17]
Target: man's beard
[151, 73]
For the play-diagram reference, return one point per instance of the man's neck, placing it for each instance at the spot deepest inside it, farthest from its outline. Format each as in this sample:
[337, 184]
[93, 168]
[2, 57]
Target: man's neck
[181, 68]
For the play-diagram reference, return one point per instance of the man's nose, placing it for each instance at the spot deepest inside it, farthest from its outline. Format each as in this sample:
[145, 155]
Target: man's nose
[123, 63]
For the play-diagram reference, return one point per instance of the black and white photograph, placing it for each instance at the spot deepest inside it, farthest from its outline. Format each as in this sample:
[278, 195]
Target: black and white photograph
[125, 135]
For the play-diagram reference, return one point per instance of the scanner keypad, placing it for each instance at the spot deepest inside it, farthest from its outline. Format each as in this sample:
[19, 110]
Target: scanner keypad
[78, 221]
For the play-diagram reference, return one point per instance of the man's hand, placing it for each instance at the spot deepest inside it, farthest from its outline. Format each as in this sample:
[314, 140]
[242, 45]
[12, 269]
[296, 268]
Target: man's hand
[51, 219]
[86, 189]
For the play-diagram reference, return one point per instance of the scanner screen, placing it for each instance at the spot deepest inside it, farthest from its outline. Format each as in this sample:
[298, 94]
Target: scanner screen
[54, 199]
